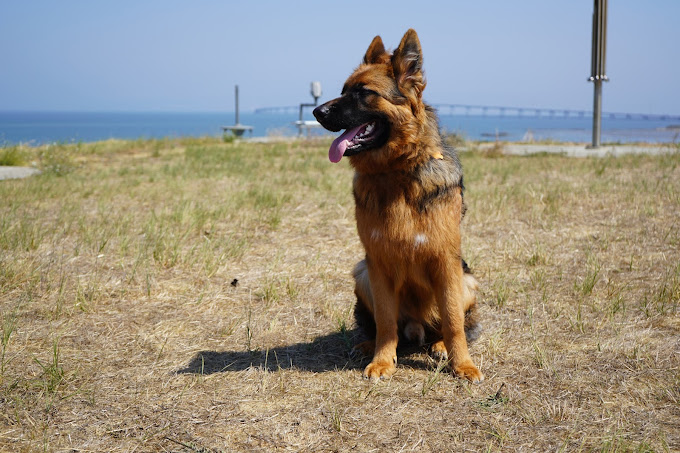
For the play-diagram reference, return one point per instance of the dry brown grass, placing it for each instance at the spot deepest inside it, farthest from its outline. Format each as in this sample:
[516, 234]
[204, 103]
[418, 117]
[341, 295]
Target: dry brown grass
[122, 330]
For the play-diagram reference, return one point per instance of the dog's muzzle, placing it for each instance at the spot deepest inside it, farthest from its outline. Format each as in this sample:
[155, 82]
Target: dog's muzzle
[321, 114]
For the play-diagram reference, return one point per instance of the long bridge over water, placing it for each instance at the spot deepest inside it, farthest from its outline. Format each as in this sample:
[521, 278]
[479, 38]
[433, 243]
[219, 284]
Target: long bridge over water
[515, 112]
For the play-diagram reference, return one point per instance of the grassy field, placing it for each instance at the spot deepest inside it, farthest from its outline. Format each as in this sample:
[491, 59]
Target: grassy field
[195, 296]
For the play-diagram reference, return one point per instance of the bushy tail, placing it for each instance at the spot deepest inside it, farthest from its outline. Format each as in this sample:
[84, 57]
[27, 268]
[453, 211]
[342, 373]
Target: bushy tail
[473, 328]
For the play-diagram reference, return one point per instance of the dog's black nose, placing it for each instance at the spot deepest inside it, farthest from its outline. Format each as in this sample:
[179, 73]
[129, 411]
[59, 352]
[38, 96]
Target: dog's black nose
[321, 112]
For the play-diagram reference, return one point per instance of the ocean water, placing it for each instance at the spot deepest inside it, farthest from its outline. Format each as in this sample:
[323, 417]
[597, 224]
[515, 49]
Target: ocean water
[35, 128]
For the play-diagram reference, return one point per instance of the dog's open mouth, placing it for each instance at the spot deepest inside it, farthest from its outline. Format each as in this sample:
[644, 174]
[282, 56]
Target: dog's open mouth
[355, 140]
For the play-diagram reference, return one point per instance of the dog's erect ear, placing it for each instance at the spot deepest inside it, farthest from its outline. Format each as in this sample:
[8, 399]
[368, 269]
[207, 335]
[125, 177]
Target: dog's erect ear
[375, 51]
[407, 62]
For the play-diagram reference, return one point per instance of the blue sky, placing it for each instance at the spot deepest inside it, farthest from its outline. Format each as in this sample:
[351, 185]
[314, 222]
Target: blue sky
[186, 56]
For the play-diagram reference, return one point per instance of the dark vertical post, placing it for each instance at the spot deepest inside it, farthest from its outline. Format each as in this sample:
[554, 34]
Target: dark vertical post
[236, 100]
[237, 129]
[597, 65]
[597, 114]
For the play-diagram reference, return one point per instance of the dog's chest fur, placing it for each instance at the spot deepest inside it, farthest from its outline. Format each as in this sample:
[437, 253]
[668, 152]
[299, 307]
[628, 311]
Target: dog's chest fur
[410, 213]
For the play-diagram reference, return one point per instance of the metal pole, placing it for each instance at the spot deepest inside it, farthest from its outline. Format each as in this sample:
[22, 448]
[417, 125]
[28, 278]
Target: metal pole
[597, 65]
[597, 113]
[236, 100]
[316, 93]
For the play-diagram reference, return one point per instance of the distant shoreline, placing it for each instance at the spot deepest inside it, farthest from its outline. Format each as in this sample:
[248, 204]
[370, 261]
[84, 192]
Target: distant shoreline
[36, 128]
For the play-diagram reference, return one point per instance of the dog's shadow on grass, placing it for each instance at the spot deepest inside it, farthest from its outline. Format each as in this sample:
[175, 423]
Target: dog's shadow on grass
[326, 353]
[330, 352]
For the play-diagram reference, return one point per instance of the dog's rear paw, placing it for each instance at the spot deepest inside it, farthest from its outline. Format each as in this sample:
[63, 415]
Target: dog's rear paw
[438, 351]
[469, 371]
[378, 370]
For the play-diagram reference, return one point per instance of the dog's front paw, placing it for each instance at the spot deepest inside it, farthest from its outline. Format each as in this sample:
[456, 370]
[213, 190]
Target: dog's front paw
[469, 371]
[379, 369]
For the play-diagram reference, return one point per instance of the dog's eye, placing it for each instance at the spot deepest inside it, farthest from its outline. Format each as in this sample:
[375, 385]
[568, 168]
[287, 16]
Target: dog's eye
[364, 92]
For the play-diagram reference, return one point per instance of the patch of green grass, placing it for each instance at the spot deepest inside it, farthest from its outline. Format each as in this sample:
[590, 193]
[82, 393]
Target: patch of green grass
[619, 442]
[615, 296]
[52, 376]
[664, 298]
[21, 233]
[496, 400]
[501, 294]
[578, 321]
[538, 256]
[336, 419]
[58, 160]
[271, 292]
[540, 356]
[13, 156]
[9, 324]
[539, 280]
[433, 377]
[586, 284]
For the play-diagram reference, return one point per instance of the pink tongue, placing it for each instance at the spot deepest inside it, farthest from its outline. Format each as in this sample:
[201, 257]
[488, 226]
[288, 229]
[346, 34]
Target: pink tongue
[340, 144]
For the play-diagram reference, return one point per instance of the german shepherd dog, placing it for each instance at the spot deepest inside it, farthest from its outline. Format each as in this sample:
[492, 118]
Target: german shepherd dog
[408, 190]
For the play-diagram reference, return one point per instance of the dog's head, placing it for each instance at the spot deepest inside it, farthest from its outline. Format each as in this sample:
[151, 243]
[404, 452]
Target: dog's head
[380, 107]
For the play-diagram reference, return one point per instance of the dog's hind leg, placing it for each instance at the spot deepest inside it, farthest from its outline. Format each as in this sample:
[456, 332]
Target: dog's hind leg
[363, 311]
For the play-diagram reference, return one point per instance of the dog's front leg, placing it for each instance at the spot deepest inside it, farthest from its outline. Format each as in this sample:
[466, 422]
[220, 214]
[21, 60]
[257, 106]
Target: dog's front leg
[385, 313]
[449, 294]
